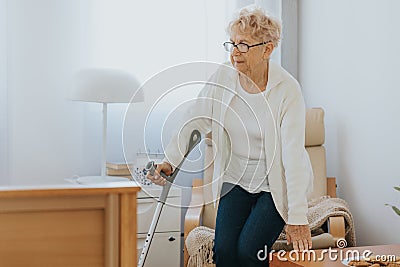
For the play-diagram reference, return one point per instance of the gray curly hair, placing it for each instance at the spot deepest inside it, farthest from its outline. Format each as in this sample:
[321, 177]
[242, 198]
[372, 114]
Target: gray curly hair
[253, 20]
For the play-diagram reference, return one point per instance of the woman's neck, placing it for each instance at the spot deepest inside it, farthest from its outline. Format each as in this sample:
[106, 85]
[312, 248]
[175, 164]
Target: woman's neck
[256, 80]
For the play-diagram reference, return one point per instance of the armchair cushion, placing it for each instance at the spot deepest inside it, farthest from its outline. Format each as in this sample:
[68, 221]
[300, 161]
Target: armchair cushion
[315, 129]
[318, 163]
[315, 138]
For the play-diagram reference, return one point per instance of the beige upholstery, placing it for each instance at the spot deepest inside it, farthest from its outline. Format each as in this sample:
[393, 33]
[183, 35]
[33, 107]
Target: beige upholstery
[314, 140]
[315, 127]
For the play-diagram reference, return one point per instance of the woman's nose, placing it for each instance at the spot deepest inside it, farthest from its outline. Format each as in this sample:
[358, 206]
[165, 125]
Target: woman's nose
[235, 51]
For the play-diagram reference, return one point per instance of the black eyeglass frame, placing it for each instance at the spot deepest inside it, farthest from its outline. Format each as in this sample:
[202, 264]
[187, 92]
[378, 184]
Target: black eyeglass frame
[236, 45]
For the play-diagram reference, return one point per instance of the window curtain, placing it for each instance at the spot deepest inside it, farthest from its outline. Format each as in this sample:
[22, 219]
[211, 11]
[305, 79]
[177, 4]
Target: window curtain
[69, 34]
[43, 42]
[3, 94]
[141, 36]
[146, 40]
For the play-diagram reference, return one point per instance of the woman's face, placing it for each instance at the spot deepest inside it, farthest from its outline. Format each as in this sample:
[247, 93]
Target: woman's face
[252, 59]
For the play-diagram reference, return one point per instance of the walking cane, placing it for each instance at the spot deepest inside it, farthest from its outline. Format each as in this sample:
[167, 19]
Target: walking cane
[194, 140]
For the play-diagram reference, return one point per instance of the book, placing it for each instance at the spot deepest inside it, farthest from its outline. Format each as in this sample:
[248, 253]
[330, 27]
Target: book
[120, 172]
[118, 165]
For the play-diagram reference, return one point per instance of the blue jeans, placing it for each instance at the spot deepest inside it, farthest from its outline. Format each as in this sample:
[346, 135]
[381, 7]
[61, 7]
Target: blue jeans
[246, 223]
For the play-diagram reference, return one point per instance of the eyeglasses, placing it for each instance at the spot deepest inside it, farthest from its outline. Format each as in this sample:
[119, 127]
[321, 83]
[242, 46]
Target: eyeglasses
[242, 47]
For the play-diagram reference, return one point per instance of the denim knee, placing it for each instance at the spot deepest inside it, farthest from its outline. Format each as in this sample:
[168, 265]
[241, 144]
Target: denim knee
[252, 257]
[222, 250]
[225, 253]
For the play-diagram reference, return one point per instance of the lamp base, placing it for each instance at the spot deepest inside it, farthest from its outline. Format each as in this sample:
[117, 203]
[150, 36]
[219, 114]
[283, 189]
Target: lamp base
[98, 179]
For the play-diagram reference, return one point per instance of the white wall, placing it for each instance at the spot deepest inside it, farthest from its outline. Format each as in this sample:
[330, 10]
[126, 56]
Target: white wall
[349, 64]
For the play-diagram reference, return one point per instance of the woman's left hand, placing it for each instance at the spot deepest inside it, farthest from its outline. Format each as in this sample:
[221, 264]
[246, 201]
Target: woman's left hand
[299, 235]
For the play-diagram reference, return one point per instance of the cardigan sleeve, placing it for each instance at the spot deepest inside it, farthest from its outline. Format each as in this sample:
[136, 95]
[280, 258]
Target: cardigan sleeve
[298, 172]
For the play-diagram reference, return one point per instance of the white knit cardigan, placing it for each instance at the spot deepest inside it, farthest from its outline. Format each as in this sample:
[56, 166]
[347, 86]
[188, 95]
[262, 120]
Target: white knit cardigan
[289, 169]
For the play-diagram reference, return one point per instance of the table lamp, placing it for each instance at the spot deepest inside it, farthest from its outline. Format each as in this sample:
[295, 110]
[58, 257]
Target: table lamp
[105, 85]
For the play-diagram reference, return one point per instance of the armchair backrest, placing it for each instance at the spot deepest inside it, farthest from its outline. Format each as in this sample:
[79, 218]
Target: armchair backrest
[314, 141]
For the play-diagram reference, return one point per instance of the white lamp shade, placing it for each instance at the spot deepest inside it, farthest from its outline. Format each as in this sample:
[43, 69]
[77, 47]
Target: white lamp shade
[106, 85]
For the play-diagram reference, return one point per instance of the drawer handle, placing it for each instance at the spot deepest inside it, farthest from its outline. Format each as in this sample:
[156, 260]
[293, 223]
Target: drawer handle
[171, 238]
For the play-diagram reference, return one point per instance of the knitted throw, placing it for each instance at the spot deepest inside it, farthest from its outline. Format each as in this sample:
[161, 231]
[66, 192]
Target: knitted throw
[199, 244]
[200, 240]
[319, 211]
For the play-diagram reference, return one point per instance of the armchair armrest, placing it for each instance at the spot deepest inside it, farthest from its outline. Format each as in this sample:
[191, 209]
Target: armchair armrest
[331, 186]
[196, 206]
[336, 227]
[194, 212]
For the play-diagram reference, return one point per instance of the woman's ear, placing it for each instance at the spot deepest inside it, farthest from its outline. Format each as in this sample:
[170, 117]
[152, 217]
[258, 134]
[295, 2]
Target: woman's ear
[269, 47]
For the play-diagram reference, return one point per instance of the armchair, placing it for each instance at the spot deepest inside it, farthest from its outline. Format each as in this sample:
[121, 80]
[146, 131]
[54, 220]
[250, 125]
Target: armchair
[202, 212]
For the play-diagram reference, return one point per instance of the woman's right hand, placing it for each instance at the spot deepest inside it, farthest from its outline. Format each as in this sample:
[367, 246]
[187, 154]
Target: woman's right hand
[164, 167]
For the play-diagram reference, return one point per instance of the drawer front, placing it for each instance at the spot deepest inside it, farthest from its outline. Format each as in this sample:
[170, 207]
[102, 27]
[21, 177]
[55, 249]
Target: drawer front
[164, 249]
[155, 191]
[170, 219]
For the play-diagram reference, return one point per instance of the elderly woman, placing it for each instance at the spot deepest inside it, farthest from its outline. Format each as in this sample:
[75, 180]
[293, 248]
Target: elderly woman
[260, 156]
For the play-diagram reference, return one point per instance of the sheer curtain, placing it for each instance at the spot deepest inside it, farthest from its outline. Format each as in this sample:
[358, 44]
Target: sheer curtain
[146, 36]
[43, 41]
[43, 136]
[3, 94]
